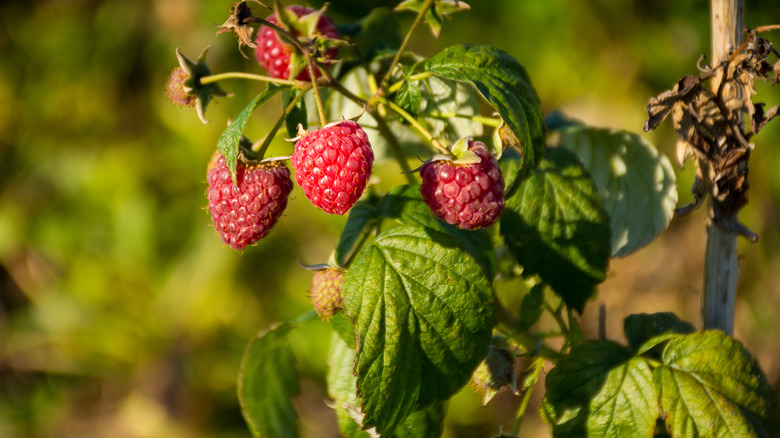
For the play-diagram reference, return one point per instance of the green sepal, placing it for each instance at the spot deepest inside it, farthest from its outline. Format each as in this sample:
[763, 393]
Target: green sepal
[193, 86]
[230, 140]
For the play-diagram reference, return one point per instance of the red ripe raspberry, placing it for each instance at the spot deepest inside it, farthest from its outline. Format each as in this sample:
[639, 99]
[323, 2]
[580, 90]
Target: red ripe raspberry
[332, 165]
[274, 55]
[468, 196]
[326, 292]
[243, 214]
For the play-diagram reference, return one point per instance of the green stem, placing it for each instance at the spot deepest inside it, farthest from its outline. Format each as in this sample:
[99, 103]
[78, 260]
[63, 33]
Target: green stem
[418, 77]
[417, 125]
[252, 77]
[386, 79]
[507, 323]
[526, 397]
[556, 313]
[395, 146]
[487, 121]
[260, 150]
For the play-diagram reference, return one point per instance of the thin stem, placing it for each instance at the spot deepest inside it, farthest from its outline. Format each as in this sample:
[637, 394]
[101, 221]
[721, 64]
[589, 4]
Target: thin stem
[507, 323]
[556, 313]
[317, 98]
[487, 121]
[386, 79]
[417, 125]
[395, 146]
[767, 28]
[252, 77]
[260, 151]
[526, 397]
[306, 52]
[418, 77]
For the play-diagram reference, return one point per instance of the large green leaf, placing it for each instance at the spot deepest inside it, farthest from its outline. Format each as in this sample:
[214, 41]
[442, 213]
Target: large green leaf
[505, 84]
[555, 226]
[601, 390]
[709, 385]
[231, 136]
[426, 423]
[637, 183]
[267, 383]
[405, 205]
[423, 315]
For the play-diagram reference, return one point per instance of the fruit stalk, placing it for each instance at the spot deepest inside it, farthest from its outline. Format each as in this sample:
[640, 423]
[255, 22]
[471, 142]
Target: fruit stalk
[386, 79]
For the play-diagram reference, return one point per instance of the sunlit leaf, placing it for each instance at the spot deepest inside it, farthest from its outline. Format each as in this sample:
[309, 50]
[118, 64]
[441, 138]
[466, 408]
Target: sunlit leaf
[709, 385]
[601, 390]
[636, 182]
[423, 315]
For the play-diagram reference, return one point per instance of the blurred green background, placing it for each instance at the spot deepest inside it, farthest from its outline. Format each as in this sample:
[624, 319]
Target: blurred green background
[122, 314]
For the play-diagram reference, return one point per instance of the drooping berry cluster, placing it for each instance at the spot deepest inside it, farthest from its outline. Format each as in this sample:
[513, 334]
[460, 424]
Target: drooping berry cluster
[467, 195]
[244, 213]
[332, 165]
[275, 56]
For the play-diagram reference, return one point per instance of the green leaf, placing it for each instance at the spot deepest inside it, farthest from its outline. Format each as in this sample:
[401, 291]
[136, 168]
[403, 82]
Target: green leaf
[343, 327]
[231, 136]
[423, 315]
[556, 227]
[298, 115]
[342, 387]
[531, 308]
[642, 327]
[503, 81]
[445, 98]
[362, 218]
[426, 423]
[601, 390]
[409, 97]
[637, 183]
[434, 15]
[405, 205]
[709, 385]
[267, 382]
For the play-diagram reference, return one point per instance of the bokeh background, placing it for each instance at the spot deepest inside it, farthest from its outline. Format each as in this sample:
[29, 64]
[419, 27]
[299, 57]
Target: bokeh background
[121, 313]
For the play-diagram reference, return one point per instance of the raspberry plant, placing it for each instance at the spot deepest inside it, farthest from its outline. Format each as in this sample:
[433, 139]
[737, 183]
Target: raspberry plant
[409, 289]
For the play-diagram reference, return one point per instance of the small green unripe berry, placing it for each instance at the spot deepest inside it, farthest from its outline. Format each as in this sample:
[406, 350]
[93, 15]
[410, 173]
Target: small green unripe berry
[326, 292]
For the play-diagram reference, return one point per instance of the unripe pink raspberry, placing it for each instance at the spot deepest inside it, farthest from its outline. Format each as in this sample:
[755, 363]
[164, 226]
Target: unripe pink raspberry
[244, 213]
[332, 165]
[467, 195]
[326, 292]
[274, 56]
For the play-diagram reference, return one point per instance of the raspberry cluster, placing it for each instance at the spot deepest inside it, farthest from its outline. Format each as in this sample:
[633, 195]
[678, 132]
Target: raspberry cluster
[246, 212]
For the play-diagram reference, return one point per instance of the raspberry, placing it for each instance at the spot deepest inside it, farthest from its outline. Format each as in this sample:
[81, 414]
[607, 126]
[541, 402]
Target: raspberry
[468, 196]
[245, 213]
[326, 292]
[332, 165]
[274, 55]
